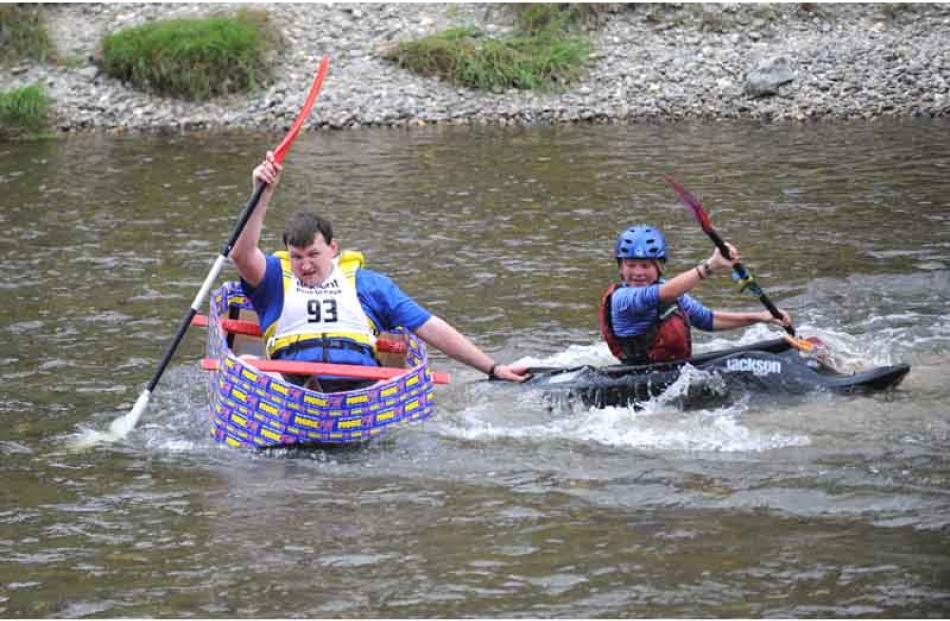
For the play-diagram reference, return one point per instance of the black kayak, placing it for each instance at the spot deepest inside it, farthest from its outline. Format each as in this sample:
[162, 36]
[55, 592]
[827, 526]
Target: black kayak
[772, 367]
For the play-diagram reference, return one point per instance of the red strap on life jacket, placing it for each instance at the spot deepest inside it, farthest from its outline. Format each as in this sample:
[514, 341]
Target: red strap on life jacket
[673, 340]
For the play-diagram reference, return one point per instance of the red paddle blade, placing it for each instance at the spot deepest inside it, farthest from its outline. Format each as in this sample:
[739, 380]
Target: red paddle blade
[691, 202]
[804, 345]
[808, 344]
[813, 347]
[821, 352]
[288, 140]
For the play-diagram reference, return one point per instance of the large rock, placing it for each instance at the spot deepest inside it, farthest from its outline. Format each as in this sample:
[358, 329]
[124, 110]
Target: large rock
[768, 76]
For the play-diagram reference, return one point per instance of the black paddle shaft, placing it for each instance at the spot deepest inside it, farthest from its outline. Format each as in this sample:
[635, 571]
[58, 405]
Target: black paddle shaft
[249, 208]
[246, 212]
[744, 274]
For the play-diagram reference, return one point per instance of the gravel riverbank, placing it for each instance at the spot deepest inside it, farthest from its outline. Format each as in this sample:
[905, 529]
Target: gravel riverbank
[775, 62]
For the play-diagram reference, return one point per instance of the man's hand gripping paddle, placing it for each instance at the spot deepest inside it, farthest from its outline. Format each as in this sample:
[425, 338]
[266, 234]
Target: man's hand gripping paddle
[120, 427]
[811, 345]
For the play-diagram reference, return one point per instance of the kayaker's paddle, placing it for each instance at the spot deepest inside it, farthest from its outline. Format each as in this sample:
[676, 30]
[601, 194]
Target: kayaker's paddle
[120, 427]
[746, 279]
[297, 367]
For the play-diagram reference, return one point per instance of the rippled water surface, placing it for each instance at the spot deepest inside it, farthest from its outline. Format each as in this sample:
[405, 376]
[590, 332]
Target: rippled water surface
[499, 505]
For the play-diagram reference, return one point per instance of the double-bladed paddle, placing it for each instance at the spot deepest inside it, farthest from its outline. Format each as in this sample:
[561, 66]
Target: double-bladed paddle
[120, 427]
[746, 279]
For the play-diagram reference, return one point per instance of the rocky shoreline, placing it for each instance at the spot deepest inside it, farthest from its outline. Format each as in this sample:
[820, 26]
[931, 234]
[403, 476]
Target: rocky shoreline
[671, 62]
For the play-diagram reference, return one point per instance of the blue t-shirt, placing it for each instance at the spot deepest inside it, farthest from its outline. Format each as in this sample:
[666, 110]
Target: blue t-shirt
[633, 310]
[383, 302]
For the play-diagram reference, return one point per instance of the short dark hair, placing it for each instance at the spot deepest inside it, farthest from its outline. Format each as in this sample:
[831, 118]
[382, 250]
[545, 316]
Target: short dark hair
[302, 228]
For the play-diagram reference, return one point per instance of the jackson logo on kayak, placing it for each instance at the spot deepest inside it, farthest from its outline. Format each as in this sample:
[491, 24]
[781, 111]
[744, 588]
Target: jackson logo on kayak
[756, 365]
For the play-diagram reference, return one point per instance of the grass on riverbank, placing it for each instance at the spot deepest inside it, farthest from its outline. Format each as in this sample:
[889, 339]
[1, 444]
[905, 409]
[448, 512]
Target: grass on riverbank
[194, 59]
[543, 50]
[23, 34]
[23, 112]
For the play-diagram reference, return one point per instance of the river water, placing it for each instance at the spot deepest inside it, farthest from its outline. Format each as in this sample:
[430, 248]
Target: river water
[821, 506]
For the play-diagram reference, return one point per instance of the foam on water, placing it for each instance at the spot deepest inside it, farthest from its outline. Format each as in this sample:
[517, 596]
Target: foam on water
[660, 424]
[657, 427]
[166, 421]
[574, 355]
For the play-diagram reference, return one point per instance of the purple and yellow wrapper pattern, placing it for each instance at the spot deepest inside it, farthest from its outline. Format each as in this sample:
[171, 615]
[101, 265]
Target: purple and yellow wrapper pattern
[250, 408]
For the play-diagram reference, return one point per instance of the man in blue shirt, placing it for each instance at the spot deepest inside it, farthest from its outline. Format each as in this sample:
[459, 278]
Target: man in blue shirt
[647, 319]
[315, 304]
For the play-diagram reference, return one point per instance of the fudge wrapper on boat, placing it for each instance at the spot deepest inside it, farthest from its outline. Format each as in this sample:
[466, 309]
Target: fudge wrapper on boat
[250, 408]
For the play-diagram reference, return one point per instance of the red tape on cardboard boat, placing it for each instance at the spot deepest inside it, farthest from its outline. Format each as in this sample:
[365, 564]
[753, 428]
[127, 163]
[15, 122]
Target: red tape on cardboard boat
[249, 328]
[297, 367]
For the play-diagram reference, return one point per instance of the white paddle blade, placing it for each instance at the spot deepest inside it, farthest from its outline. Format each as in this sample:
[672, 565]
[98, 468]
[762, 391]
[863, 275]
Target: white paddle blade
[124, 424]
[119, 428]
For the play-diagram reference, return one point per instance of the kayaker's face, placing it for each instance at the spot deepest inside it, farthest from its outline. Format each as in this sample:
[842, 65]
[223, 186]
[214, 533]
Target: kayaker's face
[639, 272]
[312, 264]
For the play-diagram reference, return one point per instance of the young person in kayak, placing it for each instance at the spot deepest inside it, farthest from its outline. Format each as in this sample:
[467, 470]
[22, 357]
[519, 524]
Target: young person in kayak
[317, 304]
[645, 318]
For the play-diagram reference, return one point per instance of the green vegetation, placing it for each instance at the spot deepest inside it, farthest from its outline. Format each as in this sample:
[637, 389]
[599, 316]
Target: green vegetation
[23, 112]
[553, 18]
[194, 58]
[543, 50]
[23, 35]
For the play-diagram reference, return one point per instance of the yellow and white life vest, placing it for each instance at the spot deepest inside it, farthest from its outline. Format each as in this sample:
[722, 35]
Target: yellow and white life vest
[330, 310]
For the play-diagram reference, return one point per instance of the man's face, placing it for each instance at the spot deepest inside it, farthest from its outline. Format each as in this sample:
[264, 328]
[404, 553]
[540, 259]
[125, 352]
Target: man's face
[639, 272]
[312, 264]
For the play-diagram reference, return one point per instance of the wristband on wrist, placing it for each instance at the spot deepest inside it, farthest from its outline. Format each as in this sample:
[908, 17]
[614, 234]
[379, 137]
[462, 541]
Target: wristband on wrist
[491, 371]
[703, 270]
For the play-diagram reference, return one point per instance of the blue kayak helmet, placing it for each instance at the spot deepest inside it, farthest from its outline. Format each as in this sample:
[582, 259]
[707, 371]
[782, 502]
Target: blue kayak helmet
[641, 242]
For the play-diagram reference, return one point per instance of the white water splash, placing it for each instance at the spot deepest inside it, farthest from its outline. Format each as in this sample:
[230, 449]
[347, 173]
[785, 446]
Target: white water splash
[659, 424]
[656, 427]
[596, 354]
